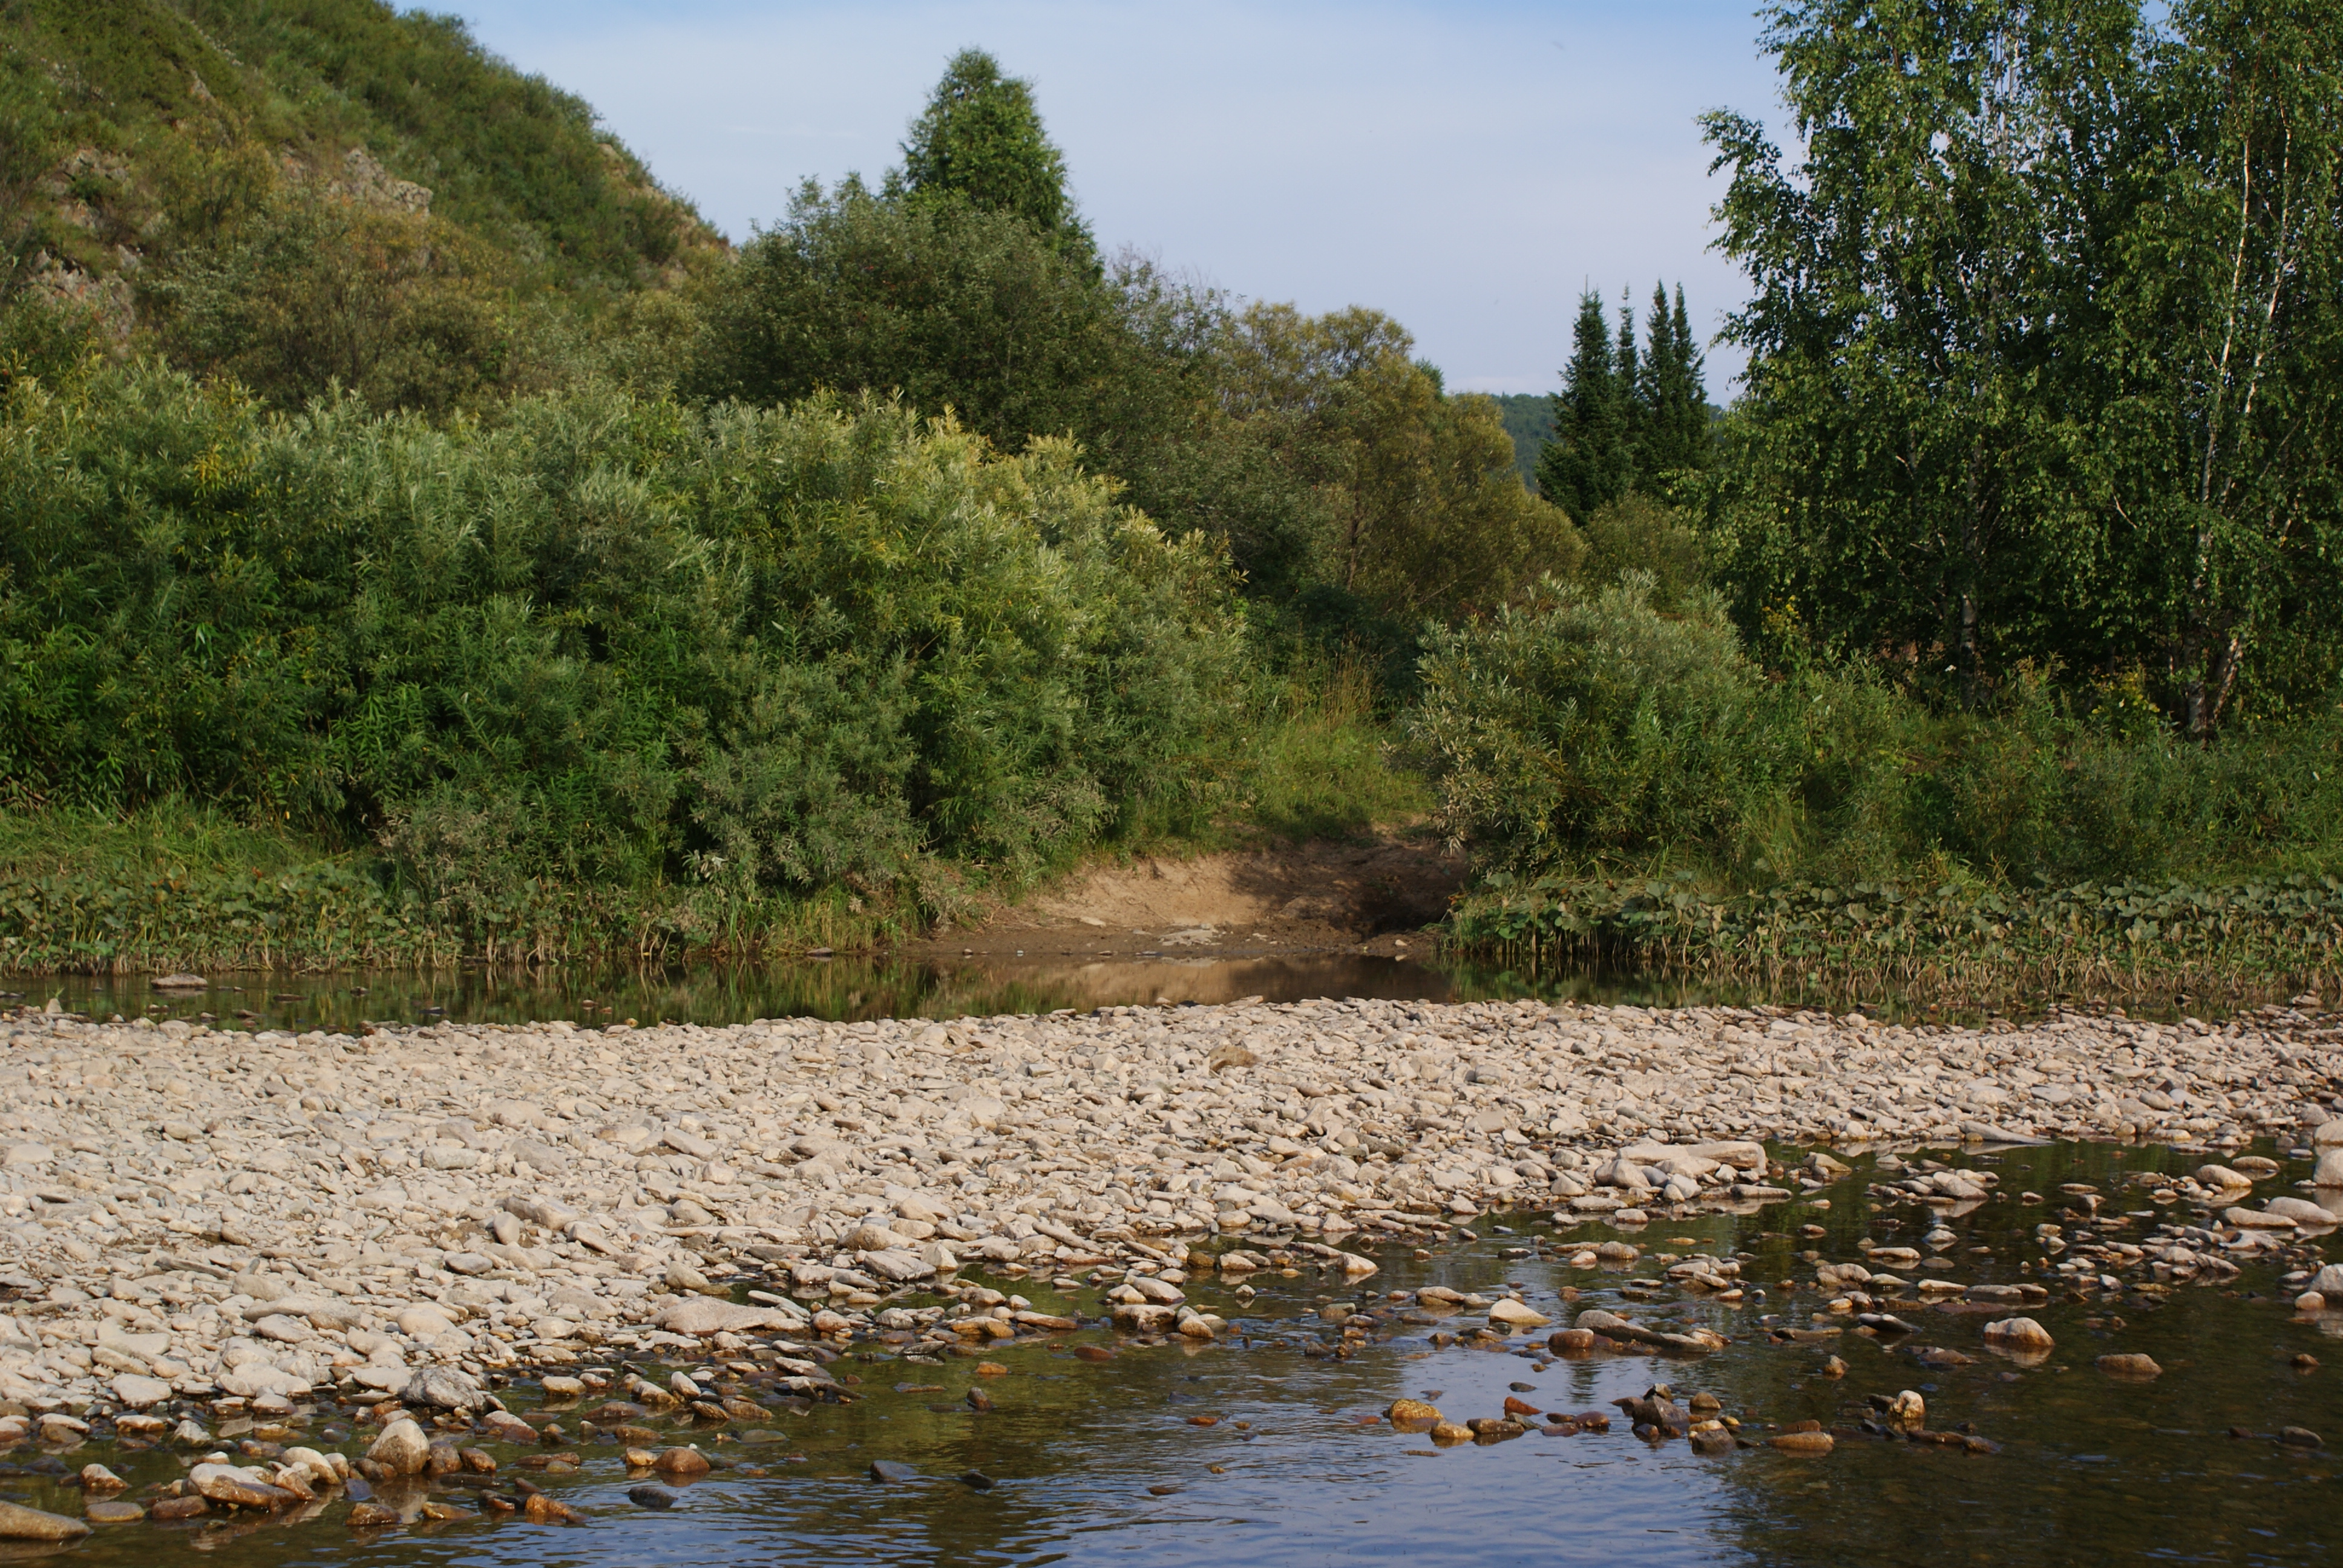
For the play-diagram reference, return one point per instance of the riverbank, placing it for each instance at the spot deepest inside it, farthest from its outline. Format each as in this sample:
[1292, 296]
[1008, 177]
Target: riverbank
[310, 1263]
[596, 1180]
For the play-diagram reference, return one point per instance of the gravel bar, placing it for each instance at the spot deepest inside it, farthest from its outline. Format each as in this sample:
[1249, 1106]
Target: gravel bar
[412, 1214]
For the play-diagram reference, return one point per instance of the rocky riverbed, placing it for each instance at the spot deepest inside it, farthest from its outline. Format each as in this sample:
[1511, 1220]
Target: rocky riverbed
[212, 1226]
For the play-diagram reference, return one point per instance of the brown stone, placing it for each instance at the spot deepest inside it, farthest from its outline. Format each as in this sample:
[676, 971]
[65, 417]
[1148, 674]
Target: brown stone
[2130, 1365]
[18, 1522]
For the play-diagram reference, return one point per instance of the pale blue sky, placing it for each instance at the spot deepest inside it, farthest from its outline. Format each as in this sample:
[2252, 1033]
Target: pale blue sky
[1466, 169]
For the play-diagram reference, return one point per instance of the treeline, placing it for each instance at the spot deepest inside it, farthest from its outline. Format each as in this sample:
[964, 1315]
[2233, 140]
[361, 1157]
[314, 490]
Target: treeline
[924, 544]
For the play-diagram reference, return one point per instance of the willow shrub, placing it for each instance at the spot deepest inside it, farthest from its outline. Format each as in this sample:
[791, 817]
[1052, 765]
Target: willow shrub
[610, 640]
[1589, 733]
[1585, 723]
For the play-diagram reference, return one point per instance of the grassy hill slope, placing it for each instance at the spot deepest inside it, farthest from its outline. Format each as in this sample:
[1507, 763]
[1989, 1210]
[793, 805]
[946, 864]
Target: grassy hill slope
[142, 140]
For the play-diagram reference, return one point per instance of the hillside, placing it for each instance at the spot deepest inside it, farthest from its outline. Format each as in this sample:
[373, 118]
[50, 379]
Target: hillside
[148, 144]
[1529, 421]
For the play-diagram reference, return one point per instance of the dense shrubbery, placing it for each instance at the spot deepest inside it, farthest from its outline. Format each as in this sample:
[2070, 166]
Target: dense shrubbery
[610, 640]
[1592, 734]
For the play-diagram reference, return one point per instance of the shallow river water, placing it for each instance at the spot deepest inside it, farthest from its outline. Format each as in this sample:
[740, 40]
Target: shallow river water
[841, 989]
[1252, 1451]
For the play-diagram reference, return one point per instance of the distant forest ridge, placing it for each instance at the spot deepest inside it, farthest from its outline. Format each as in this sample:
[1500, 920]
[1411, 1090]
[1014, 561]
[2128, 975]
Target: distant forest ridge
[1529, 421]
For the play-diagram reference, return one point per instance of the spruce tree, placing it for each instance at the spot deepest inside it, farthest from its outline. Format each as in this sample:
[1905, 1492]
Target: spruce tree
[1586, 464]
[1656, 450]
[1624, 380]
[980, 140]
[1690, 389]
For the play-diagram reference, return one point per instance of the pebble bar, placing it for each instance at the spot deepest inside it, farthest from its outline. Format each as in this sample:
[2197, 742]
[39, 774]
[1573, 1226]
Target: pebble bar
[189, 1213]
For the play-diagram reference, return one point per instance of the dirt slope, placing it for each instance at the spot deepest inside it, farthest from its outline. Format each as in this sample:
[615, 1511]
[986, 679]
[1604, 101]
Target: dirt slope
[1374, 894]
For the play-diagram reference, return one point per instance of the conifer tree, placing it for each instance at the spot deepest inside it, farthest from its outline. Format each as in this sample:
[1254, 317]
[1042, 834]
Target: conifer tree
[1673, 398]
[980, 140]
[1586, 464]
[1625, 379]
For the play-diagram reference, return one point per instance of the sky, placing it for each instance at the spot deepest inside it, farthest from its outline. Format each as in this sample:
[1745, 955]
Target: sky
[1467, 168]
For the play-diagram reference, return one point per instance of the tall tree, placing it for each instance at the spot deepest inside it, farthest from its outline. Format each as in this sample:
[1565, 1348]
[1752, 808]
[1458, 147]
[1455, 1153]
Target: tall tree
[1904, 468]
[980, 140]
[1673, 394]
[2220, 454]
[2047, 340]
[1588, 463]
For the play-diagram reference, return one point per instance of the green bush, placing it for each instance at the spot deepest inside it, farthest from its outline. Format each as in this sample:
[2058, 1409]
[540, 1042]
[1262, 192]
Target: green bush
[1591, 734]
[612, 640]
[1588, 725]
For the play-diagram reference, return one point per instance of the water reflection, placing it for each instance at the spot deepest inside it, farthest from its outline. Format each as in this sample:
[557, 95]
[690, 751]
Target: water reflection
[841, 989]
[1274, 1462]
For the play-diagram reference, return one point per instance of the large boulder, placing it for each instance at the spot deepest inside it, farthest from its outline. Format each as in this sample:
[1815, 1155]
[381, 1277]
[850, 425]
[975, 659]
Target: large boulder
[402, 1449]
[709, 1315]
[444, 1387]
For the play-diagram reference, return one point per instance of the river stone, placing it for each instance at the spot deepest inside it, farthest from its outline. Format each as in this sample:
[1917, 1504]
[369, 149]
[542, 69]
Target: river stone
[1410, 1413]
[371, 1516]
[2019, 1335]
[2221, 1179]
[1803, 1442]
[227, 1483]
[649, 1496]
[169, 1508]
[254, 1379]
[2330, 1135]
[712, 1315]
[138, 1392]
[2131, 1365]
[1143, 1317]
[114, 1511]
[2329, 1281]
[2301, 1211]
[97, 1479]
[423, 1321]
[681, 1462]
[2256, 1219]
[402, 1449]
[18, 1522]
[1515, 1314]
[284, 1329]
[872, 1236]
[444, 1387]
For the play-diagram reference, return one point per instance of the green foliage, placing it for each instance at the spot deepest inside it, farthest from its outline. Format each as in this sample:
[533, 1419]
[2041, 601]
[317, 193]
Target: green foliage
[401, 309]
[1588, 463]
[506, 155]
[1426, 514]
[235, 183]
[1625, 420]
[1671, 426]
[1978, 942]
[1637, 534]
[1589, 725]
[1529, 422]
[1595, 731]
[609, 643]
[2045, 344]
[949, 304]
[28, 135]
[1319, 766]
[979, 140]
